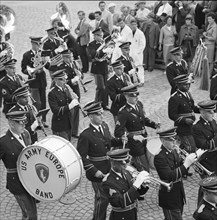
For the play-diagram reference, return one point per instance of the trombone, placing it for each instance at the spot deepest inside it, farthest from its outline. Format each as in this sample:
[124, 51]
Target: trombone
[134, 172]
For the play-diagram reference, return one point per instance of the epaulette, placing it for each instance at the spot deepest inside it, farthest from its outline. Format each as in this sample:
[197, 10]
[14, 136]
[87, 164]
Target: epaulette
[52, 89]
[201, 208]
[173, 94]
[122, 108]
[2, 79]
[214, 76]
[169, 63]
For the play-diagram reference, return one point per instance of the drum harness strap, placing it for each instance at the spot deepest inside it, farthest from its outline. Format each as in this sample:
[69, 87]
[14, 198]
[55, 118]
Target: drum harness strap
[12, 170]
[127, 208]
[98, 158]
[137, 132]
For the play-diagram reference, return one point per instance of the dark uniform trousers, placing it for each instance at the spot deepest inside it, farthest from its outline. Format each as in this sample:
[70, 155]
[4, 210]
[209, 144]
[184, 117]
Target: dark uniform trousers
[173, 69]
[10, 148]
[170, 169]
[59, 104]
[180, 108]
[100, 71]
[134, 122]
[93, 146]
[8, 87]
[205, 136]
[118, 99]
[38, 86]
[122, 195]
[205, 211]
[213, 86]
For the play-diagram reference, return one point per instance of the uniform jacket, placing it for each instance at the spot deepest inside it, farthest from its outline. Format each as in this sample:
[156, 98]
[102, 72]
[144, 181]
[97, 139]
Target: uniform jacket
[10, 148]
[83, 37]
[127, 63]
[153, 35]
[205, 212]
[170, 169]
[51, 45]
[40, 79]
[92, 143]
[205, 136]
[199, 16]
[97, 67]
[179, 108]
[114, 85]
[121, 193]
[131, 120]
[173, 70]
[213, 87]
[58, 101]
[31, 117]
[8, 87]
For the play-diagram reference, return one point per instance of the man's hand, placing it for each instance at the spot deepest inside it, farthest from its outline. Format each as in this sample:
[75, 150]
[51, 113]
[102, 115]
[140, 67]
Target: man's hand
[73, 103]
[190, 159]
[99, 174]
[200, 152]
[138, 138]
[34, 125]
[143, 177]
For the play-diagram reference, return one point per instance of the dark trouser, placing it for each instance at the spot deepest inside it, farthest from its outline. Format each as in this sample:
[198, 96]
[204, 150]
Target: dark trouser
[141, 163]
[187, 143]
[84, 58]
[149, 57]
[175, 214]
[39, 94]
[28, 206]
[64, 134]
[200, 196]
[100, 202]
[101, 94]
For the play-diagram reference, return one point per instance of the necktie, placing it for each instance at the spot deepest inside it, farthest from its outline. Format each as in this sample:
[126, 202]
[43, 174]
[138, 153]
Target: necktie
[136, 107]
[187, 95]
[100, 130]
[26, 108]
[20, 137]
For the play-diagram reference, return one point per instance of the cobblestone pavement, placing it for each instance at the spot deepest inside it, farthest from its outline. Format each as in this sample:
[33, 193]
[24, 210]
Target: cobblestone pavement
[32, 19]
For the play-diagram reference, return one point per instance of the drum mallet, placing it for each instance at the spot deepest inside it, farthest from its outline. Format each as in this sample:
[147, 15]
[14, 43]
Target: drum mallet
[125, 136]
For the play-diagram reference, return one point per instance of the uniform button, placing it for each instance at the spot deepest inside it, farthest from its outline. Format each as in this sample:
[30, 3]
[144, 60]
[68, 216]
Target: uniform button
[166, 152]
[117, 178]
[13, 178]
[12, 153]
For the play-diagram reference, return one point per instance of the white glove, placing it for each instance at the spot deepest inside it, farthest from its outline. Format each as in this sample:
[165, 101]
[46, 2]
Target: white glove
[138, 138]
[132, 71]
[143, 177]
[73, 103]
[34, 125]
[200, 152]
[75, 80]
[190, 159]
[59, 49]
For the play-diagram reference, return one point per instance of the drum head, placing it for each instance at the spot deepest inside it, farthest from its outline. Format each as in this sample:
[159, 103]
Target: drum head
[42, 171]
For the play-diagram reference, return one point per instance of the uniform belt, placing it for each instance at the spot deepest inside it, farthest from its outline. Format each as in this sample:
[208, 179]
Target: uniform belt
[127, 208]
[12, 170]
[137, 132]
[187, 114]
[98, 158]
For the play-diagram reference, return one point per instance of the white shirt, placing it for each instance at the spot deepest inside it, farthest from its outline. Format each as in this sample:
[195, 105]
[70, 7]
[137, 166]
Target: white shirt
[17, 137]
[165, 8]
[142, 14]
[97, 128]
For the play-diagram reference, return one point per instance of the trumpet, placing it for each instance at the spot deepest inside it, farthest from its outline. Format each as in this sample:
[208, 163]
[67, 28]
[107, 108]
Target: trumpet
[198, 167]
[134, 172]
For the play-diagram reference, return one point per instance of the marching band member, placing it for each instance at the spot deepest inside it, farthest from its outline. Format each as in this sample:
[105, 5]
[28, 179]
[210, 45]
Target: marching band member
[208, 208]
[132, 118]
[93, 144]
[114, 85]
[99, 68]
[33, 59]
[205, 136]
[121, 191]
[61, 102]
[22, 96]
[181, 110]
[170, 169]
[11, 145]
[9, 84]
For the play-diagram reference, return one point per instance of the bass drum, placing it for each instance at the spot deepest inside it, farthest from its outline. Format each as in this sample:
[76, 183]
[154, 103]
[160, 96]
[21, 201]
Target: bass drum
[153, 148]
[50, 168]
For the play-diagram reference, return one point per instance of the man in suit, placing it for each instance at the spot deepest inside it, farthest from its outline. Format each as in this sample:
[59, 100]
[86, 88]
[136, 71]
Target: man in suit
[205, 136]
[37, 87]
[93, 144]
[121, 191]
[83, 39]
[175, 68]
[151, 31]
[114, 85]
[171, 168]
[22, 96]
[11, 145]
[115, 15]
[181, 110]
[99, 68]
[101, 24]
[127, 17]
[61, 102]
[132, 119]
[207, 209]
[9, 84]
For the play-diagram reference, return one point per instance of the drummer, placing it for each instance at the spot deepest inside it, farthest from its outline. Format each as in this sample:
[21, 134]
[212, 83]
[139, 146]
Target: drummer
[11, 145]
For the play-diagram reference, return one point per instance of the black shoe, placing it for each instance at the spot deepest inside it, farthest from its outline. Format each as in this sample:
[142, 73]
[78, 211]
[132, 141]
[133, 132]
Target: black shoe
[189, 174]
[75, 136]
[106, 108]
[141, 198]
